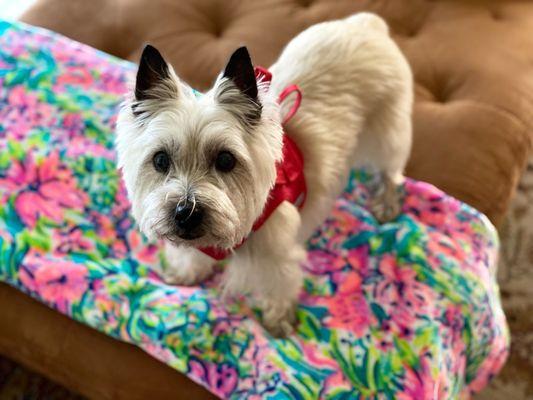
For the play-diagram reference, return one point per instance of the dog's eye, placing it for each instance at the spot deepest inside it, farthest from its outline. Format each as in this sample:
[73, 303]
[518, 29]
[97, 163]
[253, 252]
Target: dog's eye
[225, 161]
[161, 162]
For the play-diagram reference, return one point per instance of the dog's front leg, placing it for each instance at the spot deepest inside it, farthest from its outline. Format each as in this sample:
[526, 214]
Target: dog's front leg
[186, 266]
[268, 268]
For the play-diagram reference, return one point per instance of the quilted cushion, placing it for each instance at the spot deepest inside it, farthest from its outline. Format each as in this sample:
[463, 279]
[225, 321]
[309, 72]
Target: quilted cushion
[405, 310]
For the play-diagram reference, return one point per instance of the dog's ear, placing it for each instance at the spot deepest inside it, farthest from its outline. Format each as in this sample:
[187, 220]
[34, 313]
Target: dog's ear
[154, 80]
[241, 72]
[240, 96]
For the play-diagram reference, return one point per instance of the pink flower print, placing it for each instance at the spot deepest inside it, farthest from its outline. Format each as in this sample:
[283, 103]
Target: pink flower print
[221, 378]
[61, 283]
[109, 83]
[441, 244]
[358, 259]
[56, 281]
[336, 380]
[321, 262]
[71, 240]
[79, 77]
[73, 123]
[122, 204]
[27, 270]
[119, 249]
[453, 328]
[402, 296]
[433, 209]
[46, 189]
[145, 253]
[454, 318]
[24, 112]
[419, 384]
[314, 356]
[343, 218]
[79, 146]
[348, 307]
[345, 224]
[384, 345]
[104, 226]
[159, 352]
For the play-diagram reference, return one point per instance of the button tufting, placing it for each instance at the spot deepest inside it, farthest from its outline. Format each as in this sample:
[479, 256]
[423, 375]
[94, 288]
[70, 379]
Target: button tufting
[441, 94]
[305, 3]
[411, 33]
[496, 14]
[438, 92]
[407, 30]
[217, 25]
[217, 29]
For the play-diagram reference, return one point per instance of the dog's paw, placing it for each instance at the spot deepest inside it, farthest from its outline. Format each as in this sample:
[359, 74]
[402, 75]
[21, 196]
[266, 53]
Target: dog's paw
[188, 276]
[186, 266]
[386, 208]
[386, 201]
[279, 317]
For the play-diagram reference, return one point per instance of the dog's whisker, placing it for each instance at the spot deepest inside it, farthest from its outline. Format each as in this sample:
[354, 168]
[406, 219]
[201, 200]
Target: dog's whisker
[193, 207]
[180, 202]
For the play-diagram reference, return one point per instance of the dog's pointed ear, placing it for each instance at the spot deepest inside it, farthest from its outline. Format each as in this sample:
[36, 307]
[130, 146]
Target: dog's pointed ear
[153, 73]
[240, 71]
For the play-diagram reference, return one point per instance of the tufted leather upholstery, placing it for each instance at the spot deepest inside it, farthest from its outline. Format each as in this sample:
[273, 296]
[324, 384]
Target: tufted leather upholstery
[473, 65]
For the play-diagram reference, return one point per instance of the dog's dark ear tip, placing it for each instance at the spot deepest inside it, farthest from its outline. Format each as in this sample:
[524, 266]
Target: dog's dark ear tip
[149, 50]
[152, 69]
[241, 51]
[241, 71]
[239, 57]
[151, 55]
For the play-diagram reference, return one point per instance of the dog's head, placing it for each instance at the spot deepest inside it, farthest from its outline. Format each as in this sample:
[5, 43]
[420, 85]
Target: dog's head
[198, 167]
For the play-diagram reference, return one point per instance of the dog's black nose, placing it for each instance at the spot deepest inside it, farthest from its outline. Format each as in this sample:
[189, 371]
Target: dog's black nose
[188, 216]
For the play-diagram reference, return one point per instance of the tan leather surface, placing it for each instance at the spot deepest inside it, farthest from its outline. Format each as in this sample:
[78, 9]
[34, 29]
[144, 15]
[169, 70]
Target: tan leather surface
[473, 65]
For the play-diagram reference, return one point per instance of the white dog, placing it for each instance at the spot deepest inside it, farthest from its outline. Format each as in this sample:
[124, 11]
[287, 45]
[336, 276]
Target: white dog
[199, 168]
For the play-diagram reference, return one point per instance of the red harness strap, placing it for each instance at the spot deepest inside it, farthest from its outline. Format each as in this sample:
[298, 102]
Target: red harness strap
[290, 180]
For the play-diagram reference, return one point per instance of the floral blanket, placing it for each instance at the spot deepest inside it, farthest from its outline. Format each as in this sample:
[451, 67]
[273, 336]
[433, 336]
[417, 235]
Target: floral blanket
[404, 310]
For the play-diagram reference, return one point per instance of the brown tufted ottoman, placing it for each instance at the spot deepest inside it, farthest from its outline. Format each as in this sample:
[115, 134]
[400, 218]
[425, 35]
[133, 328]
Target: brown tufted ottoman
[473, 64]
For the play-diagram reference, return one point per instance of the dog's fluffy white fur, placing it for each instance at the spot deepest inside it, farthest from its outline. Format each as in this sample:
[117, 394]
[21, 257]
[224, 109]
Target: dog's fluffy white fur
[356, 110]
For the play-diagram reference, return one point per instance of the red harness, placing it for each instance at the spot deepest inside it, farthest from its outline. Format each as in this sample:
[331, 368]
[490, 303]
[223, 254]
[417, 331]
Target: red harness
[290, 180]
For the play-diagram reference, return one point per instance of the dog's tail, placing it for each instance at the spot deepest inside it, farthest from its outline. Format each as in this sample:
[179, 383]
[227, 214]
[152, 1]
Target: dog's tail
[369, 21]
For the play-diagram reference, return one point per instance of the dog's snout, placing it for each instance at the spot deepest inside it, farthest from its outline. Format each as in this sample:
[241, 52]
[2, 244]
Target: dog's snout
[188, 216]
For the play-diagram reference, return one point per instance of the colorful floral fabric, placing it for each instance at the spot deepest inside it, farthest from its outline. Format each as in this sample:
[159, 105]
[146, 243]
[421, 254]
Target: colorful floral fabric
[404, 310]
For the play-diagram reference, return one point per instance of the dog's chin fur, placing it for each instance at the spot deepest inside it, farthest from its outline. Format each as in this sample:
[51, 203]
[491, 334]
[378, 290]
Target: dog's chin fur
[192, 129]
